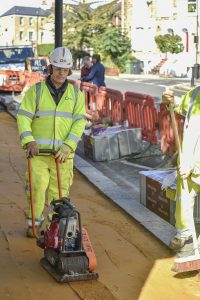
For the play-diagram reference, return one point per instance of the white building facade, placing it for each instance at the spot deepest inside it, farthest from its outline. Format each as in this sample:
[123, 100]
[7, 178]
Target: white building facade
[151, 18]
[25, 26]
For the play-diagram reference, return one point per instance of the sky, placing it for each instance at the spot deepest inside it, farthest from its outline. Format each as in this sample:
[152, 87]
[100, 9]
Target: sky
[36, 3]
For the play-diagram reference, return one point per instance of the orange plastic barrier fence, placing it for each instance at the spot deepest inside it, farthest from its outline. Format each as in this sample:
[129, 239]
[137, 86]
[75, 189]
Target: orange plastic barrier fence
[32, 78]
[168, 144]
[141, 112]
[74, 82]
[110, 104]
[90, 91]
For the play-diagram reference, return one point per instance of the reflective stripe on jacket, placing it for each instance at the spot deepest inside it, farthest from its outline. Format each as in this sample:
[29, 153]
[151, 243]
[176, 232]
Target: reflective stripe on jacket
[50, 125]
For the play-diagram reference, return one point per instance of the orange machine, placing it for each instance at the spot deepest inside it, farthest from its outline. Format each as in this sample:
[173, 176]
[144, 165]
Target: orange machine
[15, 81]
[12, 80]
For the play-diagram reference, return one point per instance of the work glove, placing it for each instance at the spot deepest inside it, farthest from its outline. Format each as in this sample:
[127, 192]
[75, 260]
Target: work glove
[185, 171]
[32, 149]
[63, 153]
[168, 97]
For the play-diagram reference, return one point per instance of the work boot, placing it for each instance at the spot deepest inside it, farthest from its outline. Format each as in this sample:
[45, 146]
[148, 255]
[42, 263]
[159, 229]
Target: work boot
[29, 231]
[177, 243]
[38, 225]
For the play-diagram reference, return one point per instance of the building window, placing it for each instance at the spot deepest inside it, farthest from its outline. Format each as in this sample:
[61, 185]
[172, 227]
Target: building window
[30, 36]
[192, 6]
[30, 21]
[21, 20]
[21, 35]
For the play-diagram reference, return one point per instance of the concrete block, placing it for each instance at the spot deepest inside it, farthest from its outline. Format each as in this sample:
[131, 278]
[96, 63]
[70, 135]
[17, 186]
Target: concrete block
[102, 147]
[130, 141]
[156, 199]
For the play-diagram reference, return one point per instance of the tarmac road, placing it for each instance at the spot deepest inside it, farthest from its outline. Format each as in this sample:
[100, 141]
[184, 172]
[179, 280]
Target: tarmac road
[132, 264]
[143, 84]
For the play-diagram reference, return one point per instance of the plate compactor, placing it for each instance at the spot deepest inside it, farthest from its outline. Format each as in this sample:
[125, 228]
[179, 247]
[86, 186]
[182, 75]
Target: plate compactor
[68, 253]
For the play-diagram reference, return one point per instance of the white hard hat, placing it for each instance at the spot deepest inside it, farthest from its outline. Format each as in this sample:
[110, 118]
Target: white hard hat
[61, 57]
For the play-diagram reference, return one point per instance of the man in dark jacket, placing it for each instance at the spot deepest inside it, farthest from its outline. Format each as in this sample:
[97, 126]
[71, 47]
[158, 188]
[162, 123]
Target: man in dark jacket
[97, 72]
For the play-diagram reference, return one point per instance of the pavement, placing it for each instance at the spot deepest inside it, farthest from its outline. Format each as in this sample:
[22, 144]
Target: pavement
[183, 87]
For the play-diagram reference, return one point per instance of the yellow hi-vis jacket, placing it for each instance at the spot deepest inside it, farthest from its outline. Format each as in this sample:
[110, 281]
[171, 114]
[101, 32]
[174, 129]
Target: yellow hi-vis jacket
[39, 119]
[190, 147]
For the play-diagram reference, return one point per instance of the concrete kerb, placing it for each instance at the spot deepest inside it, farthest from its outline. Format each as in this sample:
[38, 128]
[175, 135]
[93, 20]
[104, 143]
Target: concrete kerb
[153, 223]
[181, 87]
[185, 87]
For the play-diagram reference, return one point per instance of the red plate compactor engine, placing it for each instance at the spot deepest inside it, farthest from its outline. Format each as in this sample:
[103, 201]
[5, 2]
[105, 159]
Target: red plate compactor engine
[68, 253]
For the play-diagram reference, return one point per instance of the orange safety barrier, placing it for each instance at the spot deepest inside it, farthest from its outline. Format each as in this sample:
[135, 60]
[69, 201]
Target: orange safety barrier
[32, 78]
[110, 104]
[74, 82]
[168, 143]
[90, 91]
[141, 112]
[12, 80]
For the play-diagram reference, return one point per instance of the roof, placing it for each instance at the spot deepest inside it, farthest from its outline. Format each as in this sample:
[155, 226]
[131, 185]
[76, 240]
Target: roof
[26, 11]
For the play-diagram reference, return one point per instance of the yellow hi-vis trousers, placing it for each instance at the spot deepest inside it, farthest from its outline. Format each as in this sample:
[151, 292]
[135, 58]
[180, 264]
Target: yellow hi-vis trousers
[44, 182]
[185, 204]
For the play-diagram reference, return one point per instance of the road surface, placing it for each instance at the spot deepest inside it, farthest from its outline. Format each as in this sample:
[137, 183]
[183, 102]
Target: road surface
[132, 264]
[150, 85]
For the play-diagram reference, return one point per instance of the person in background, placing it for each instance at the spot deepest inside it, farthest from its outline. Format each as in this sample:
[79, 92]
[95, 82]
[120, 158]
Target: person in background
[87, 64]
[97, 72]
[51, 116]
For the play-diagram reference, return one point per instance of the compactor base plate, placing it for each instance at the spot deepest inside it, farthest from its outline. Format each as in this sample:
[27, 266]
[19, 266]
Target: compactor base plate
[66, 277]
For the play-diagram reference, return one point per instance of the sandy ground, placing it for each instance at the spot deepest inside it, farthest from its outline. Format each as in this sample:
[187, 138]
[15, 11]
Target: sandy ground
[132, 264]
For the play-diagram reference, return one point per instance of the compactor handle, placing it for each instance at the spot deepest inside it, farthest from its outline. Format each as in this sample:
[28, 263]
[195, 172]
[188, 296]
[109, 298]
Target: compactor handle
[47, 151]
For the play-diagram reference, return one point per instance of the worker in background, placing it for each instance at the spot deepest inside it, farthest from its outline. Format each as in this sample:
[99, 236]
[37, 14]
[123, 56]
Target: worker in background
[87, 64]
[188, 167]
[97, 72]
[53, 118]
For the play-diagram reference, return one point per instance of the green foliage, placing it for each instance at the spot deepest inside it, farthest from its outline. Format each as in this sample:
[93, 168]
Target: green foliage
[85, 28]
[78, 54]
[76, 33]
[44, 49]
[114, 47]
[169, 43]
[83, 25]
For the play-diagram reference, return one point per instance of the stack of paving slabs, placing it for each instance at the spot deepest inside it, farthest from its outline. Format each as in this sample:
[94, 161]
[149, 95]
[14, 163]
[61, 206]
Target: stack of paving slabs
[162, 201]
[130, 141]
[112, 143]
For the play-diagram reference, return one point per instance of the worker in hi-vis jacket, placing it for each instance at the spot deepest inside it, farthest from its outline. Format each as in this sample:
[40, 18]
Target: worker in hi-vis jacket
[188, 165]
[51, 116]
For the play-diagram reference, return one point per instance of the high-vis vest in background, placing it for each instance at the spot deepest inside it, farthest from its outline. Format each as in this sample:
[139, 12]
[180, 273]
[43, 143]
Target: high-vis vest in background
[48, 124]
